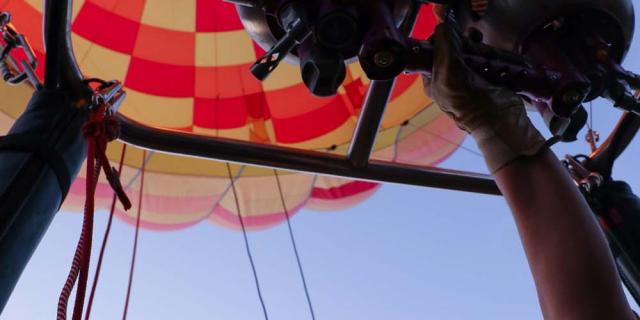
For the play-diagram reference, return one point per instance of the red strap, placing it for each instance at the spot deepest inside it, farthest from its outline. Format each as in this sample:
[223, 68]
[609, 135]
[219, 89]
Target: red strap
[99, 129]
[104, 128]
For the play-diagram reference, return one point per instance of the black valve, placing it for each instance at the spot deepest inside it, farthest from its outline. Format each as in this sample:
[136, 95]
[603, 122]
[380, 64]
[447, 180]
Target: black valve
[384, 53]
[325, 35]
[618, 92]
[323, 71]
[297, 33]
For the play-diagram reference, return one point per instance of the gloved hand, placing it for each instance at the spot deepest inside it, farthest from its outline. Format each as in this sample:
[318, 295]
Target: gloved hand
[495, 117]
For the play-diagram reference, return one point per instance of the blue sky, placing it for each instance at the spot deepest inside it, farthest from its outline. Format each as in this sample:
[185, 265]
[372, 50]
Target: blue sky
[407, 253]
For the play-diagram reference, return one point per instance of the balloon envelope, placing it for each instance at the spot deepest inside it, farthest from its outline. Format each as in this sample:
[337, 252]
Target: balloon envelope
[185, 66]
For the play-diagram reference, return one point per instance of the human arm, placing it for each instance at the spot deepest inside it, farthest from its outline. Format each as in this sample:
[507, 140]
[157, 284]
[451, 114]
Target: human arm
[568, 255]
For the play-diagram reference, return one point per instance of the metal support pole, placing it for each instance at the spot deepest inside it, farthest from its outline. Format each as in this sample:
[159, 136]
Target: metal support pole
[61, 67]
[369, 123]
[617, 206]
[41, 154]
[299, 160]
[52, 38]
[375, 105]
[603, 159]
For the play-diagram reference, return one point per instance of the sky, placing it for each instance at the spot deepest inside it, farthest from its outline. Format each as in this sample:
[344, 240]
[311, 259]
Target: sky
[406, 253]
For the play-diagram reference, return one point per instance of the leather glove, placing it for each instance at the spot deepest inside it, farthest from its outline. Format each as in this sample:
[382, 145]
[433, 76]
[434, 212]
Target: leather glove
[495, 117]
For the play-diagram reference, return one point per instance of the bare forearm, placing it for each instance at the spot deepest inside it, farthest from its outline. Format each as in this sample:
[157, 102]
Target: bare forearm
[568, 255]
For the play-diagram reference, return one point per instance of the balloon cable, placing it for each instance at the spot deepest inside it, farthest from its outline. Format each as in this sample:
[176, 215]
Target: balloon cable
[105, 239]
[135, 239]
[447, 140]
[293, 244]
[246, 241]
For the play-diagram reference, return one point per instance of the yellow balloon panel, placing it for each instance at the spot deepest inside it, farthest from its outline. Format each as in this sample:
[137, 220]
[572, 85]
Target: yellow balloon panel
[185, 67]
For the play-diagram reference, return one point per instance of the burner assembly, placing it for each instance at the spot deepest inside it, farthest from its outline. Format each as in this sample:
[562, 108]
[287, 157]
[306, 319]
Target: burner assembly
[555, 54]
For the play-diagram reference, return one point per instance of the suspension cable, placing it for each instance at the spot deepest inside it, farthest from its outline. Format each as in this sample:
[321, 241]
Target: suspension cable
[105, 238]
[246, 241]
[447, 140]
[135, 239]
[293, 244]
[593, 136]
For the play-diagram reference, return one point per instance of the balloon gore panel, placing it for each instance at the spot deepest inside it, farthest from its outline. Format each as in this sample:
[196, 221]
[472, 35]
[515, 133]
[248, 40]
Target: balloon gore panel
[185, 66]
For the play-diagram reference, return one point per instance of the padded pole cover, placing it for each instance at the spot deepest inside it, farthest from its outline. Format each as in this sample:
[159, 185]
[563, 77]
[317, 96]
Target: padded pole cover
[42, 153]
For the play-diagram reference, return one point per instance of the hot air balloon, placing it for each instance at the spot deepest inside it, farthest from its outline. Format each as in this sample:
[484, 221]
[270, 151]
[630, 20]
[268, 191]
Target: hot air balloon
[185, 68]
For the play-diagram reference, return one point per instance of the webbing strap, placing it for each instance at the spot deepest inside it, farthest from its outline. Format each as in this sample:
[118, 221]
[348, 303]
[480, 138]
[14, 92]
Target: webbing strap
[41, 149]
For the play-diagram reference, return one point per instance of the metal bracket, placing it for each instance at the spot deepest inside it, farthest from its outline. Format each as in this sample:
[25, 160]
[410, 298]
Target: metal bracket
[111, 93]
[16, 71]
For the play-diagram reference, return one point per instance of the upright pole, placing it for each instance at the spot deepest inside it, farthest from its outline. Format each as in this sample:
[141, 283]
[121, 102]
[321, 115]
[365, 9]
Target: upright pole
[42, 153]
[31, 189]
[375, 105]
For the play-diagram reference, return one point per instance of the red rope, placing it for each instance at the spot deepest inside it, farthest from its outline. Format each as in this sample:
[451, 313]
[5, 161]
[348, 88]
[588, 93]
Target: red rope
[99, 129]
[80, 256]
[135, 239]
[105, 239]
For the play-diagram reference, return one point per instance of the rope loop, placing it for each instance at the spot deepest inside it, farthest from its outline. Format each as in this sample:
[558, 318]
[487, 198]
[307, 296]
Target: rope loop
[99, 129]
[101, 125]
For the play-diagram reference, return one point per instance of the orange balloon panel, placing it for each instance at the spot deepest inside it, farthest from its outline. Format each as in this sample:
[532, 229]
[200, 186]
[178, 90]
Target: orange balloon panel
[185, 67]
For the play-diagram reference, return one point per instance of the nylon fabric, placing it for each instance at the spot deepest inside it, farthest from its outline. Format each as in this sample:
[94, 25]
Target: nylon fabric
[41, 149]
[185, 67]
